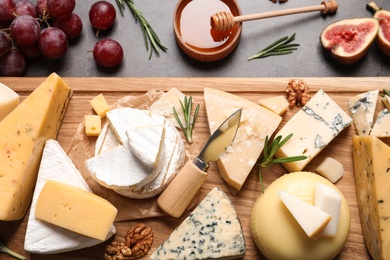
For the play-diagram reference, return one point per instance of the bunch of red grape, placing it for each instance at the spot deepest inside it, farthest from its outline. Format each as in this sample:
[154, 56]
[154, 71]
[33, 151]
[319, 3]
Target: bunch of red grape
[28, 30]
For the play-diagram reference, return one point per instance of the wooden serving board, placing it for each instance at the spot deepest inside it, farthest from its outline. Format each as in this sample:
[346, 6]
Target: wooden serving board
[340, 89]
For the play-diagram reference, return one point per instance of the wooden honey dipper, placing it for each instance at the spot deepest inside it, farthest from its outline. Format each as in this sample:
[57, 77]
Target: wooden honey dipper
[224, 21]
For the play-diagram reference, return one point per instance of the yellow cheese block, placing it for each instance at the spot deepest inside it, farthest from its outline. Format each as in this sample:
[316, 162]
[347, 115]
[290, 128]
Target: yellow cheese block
[22, 137]
[100, 105]
[75, 209]
[93, 125]
[278, 235]
[371, 159]
[256, 123]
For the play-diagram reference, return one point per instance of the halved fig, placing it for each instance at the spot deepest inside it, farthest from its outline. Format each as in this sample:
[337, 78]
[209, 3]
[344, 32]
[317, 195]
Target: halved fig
[349, 39]
[383, 38]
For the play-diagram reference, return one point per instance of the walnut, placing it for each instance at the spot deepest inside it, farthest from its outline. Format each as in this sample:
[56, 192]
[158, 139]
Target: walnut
[139, 239]
[117, 251]
[298, 93]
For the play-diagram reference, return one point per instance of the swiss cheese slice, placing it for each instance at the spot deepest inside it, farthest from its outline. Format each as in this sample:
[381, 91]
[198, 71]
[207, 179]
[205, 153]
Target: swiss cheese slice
[212, 231]
[8, 100]
[22, 137]
[256, 123]
[45, 238]
[382, 124]
[371, 166]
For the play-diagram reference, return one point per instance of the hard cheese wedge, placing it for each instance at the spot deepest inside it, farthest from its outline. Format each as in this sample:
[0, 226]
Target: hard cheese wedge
[8, 100]
[371, 165]
[75, 209]
[22, 137]
[256, 123]
[45, 238]
[322, 120]
[212, 231]
[382, 124]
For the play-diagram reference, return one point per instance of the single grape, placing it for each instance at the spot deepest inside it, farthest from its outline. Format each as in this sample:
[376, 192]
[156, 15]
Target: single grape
[5, 43]
[71, 25]
[108, 53]
[102, 15]
[7, 7]
[13, 63]
[53, 43]
[25, 30]
[26, 7]
[30, 51]
[60, 8]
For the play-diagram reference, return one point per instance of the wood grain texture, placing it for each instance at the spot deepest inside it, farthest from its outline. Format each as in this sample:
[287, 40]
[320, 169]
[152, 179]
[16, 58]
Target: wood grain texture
[340, 89]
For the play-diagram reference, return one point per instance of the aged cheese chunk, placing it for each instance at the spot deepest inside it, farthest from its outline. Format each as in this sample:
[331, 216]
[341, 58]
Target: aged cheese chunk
[382, 124]
[272, 225]
[100, 105]
[372, 166]
[322, 120]
[93, 125]
[311, 219]
[212, 231]
[362, 109]
[328, 199]
[22, 137]
[256, 123]
[8, 100]
[45, 238]
[331, 169]
[386, 101]
[278, 104]
[75, 209]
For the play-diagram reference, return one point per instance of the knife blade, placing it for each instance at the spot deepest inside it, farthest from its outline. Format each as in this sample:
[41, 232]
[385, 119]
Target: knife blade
[183, 188]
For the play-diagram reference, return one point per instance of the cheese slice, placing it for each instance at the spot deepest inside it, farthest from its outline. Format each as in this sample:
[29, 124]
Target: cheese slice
[311, 219]
[371, 166]
[322, 120]
[75, 209]
[45, 238]
[256, 123]
[382, 124]
[386, 101]
[278, 104]
[212, 231]
[331, 169]
[362, 109]
[8, 100]
[22, 137]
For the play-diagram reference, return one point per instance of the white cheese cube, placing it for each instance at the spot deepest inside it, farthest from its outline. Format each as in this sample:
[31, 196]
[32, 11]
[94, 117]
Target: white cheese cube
[331, 169]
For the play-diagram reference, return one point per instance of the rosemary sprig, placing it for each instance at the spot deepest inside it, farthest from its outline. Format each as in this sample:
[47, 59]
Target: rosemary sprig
[150, 36]
[269, 150]
[188, 127]
[5, 249]
[282, 46]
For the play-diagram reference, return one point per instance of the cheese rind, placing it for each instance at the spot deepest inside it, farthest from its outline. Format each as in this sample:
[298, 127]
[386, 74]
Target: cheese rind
[371, 160]
[278, 104]
[22, 137]
[382, 124]
[75, 209]
[212, 231]
[8, 100]
[323, 120]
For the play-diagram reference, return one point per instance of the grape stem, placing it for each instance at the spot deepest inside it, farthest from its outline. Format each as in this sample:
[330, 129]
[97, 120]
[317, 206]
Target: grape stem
[150, 36]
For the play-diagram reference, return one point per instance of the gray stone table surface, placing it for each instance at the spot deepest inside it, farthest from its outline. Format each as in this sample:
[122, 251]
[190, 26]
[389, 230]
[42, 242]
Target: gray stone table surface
[310, 60]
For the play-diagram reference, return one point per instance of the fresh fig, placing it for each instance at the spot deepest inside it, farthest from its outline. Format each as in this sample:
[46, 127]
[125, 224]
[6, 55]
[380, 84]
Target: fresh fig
[349, 39]
[383, 37]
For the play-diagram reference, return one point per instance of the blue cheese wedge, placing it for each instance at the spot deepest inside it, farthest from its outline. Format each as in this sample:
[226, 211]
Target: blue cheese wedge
[313, 127]
[382, 124]
[212, 231]
[362, 109]
[45, 238]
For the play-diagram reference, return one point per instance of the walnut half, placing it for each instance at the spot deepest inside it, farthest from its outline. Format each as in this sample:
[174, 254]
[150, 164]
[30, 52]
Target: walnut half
[117, 251]
[298, 93]
[139, 239]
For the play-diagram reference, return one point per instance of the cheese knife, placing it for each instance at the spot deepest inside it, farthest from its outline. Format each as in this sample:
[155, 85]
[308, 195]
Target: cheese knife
[183, 188]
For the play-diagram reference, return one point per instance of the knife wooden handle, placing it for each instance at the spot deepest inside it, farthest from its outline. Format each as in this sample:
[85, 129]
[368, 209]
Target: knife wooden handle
[183, 188]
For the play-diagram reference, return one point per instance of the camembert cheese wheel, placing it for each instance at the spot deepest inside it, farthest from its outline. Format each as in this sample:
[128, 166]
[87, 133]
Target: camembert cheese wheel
[278, 235]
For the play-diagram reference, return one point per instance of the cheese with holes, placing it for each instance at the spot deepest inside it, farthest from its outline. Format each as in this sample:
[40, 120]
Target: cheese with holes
[278, 235]
[362, 109]
[278, 104]
[212, 231]
[311, 219]
[93, 125]
[45, 238]
[382, 124]
[100, 105]
[371, 160]
[313, 127]
[75, 209]
[8, 100]
[331, 169]
[256, 123]
[22, 137]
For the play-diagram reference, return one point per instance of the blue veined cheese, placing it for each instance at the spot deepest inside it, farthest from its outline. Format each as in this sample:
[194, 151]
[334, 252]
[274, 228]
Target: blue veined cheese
[212, 231]
[382, 124]
[362, 109]
[313, 127]
[42, 237]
